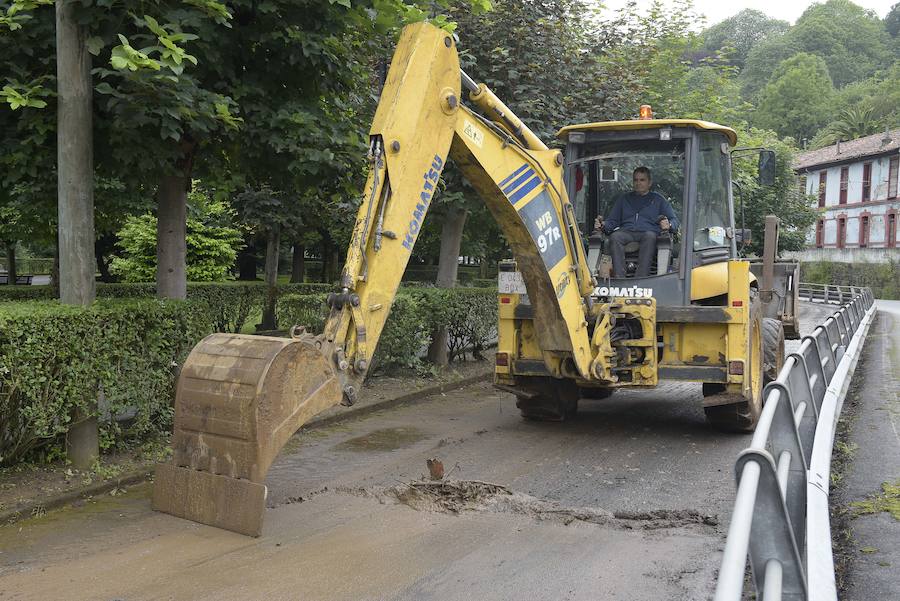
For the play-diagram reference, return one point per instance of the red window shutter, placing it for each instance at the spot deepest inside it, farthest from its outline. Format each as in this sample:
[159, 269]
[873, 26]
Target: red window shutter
[822, 178]
[867, 182]
[863, 231]
[890, 231]
[842, 232]
[845, 176]
[892, 177]
[820, 233]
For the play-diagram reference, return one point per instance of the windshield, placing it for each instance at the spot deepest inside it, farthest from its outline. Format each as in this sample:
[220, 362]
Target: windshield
[712, 217]
[604, 173]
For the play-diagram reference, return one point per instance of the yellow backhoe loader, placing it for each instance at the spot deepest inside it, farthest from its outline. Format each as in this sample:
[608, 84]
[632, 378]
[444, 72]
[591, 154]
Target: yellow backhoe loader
[567, 330]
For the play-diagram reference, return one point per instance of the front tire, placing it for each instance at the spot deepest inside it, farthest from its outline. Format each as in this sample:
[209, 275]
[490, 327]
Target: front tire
[740, 412]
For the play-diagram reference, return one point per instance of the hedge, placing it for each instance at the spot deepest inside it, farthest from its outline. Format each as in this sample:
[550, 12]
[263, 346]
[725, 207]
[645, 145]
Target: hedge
[55, 360]
[882, 278]
[470, 315]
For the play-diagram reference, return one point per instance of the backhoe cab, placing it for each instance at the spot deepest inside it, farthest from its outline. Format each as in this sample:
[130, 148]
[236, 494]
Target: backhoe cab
[565, 330]
[703, 314]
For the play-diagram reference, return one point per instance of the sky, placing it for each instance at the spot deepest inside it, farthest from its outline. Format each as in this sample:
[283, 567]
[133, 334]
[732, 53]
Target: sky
[786, 10]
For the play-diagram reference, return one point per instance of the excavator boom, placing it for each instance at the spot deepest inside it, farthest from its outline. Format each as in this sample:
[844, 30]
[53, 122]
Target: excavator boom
[240, 398]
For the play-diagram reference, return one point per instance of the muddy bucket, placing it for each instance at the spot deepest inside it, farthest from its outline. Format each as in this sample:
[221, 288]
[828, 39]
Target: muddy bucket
[239, 399]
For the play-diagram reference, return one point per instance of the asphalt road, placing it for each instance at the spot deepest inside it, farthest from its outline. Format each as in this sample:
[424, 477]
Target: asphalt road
[629, 501]
[873, 539]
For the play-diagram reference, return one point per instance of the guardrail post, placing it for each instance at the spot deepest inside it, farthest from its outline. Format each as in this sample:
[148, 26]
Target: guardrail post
[771, 533]
[835, 339]
[826, 354]
[784, 438]
[801, 392]
[818, 378]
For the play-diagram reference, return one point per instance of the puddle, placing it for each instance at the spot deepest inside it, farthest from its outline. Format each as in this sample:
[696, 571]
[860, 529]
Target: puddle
[387, 439]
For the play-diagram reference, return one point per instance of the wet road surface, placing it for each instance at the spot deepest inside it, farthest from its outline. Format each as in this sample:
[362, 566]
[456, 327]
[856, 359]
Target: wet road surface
[628, 501]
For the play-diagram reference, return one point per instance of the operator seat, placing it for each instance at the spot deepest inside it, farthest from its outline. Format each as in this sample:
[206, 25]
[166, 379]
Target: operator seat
[597, 249]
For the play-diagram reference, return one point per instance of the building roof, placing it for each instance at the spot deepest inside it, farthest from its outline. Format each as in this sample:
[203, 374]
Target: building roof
[850, 150]
[563, 134]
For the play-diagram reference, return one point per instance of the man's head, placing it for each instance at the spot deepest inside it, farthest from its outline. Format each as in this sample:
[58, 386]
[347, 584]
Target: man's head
[642, 180]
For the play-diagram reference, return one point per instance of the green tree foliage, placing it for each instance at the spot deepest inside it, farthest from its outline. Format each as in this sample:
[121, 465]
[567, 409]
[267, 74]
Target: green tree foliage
[668, 76]
[738, 35]
[864, 108]
[762, 60]
[852, 122]
[782, 199]
[212, 243]
[797, 100]
[892, 21]
[852, 40]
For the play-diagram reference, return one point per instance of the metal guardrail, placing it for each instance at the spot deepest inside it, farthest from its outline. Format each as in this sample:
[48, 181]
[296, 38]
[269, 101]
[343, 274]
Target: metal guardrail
[780, 517]
[828, 293]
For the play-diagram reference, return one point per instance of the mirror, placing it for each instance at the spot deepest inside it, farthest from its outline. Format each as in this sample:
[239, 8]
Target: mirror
[766, 167]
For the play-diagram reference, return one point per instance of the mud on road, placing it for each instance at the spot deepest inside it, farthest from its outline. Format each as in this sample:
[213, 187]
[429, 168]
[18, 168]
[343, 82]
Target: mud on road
[628, 501]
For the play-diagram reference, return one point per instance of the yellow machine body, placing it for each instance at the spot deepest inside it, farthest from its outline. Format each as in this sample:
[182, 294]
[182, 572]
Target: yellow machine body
[241, 397]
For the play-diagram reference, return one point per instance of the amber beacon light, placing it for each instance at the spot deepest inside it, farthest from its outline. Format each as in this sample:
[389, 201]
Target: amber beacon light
[646, 112]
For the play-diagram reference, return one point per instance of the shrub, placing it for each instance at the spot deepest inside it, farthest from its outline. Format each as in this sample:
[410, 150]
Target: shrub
[470, 315]
[302, 310]
[882, 278]
[55, 360]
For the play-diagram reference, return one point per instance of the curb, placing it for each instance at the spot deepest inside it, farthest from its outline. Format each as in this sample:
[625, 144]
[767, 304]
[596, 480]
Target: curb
[409, 398]
[26, 510]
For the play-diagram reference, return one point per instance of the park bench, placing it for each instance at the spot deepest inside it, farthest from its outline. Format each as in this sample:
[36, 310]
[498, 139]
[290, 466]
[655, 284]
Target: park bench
[21, 280]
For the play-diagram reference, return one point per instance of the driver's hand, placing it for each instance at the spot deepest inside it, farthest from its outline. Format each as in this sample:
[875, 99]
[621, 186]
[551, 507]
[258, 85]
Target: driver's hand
[664, 224]
[598, 222]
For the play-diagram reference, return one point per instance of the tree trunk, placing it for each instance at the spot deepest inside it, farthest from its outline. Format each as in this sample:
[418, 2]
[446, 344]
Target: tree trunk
[327, 255]
[75, 173]
[54, 272]
[75, 159]
[298, 264]
[448, 266]
[103, 248]
[272, 244]
[247, 260]
[171, 238]
[11, 272]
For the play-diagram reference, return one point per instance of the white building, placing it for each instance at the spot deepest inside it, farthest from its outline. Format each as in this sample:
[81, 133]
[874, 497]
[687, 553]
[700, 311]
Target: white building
[856, 185]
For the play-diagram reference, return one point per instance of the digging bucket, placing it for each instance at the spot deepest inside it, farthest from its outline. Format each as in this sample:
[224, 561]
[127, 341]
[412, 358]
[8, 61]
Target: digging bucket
[239, 399]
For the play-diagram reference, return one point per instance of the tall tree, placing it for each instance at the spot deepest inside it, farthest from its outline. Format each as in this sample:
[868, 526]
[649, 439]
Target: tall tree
[797, 101]
[740, 34]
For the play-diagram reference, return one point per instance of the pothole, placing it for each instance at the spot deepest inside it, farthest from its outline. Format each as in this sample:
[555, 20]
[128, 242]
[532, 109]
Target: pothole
[457, 496]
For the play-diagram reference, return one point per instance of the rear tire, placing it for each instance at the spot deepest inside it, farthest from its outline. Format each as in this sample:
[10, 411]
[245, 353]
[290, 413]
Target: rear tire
[553, 401]
[773, 348]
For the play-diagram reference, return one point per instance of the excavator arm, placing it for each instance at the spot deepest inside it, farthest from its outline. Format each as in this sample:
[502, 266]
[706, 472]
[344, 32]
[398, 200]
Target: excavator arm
[240, 398]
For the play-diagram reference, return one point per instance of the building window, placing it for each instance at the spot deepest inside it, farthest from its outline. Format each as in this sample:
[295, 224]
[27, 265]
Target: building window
[867, 182]
[845, 176]
[822, 177]
[863, 231]
[841, 232]
[890, 229]
[820, 233]
[892, 177]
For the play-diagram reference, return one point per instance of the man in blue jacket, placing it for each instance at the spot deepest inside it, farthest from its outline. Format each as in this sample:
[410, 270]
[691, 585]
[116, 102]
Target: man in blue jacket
[638, 216]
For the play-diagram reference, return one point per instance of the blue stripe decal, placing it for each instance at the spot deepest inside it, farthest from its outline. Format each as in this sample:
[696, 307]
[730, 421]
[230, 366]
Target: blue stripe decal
[521, 192]
[519, 181]
[513, 174]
